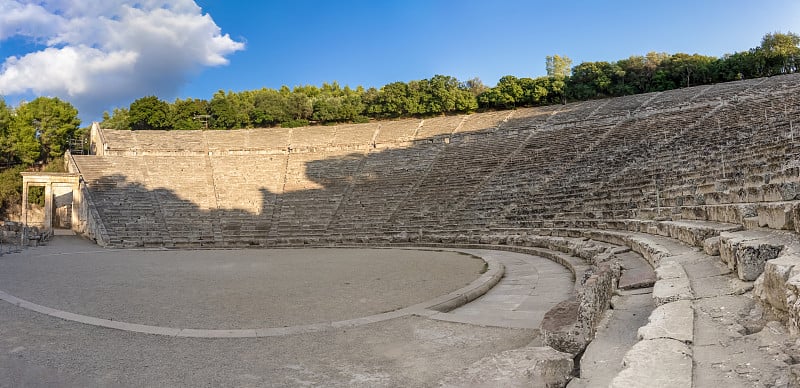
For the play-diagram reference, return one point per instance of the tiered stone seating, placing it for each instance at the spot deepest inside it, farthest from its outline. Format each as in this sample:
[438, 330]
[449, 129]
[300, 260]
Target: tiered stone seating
[477, 122]
[128, 207]
[390, 132]
[439, 126]
[314, 186]
[703, 183]
[707, 153]
[185, 191]
[461, 167]
[381, 186]
[176, 142]
[247, 187]
[268, 139]
[355, 135]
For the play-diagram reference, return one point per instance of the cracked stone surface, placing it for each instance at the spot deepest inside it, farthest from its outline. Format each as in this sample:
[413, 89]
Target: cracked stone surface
[656, 363]
[673, 320]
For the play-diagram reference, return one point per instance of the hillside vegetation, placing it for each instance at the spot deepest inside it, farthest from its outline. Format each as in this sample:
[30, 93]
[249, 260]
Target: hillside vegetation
[778, 53]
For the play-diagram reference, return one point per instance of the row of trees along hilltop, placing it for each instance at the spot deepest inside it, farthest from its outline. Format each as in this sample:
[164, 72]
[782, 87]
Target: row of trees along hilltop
[778, 53]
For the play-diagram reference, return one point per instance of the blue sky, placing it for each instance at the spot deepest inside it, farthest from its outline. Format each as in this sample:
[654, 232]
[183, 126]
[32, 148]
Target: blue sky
[98, 56]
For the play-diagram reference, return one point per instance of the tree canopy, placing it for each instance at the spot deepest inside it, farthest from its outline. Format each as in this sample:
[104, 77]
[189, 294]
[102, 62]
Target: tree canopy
[779, 53]
[36, 131]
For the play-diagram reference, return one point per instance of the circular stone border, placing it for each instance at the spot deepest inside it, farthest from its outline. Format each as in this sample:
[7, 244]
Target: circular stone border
[494, 272]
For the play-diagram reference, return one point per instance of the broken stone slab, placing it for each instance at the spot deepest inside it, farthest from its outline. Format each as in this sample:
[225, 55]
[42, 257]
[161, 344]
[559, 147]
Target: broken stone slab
[663, 363]
[731, 213]
[541, 367]
[674, 320]
[796, 218]
[636, 278]
[751, 257]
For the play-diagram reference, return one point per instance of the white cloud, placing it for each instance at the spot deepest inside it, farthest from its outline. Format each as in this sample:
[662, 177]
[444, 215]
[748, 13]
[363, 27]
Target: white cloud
[100, 53]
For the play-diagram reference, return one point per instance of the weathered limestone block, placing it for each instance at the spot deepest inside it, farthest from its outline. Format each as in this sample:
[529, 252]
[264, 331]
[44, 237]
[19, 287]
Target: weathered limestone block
[673, 320]
[786, 191]
[662, 363]
[796, 218]
[750, 222]
[793, 303]
[711, 246]
[540, 367]
[732, 213]
[651, 251]
[595, 295]
[776, 215]
[771, 288]
[746, 254]
[672, 285]
[560, 328]
[694, 212]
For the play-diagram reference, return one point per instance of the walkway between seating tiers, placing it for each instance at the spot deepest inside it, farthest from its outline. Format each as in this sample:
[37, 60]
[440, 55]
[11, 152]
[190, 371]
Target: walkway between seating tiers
[723, 341]
[531, 286]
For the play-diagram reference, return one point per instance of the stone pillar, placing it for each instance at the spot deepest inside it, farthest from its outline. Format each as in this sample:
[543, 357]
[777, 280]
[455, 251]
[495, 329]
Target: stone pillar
[48, 207]
[24, 218]
[77, 201]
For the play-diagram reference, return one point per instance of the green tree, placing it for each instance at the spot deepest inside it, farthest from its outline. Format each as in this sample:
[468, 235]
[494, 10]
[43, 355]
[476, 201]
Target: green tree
[507, 94]
[558, 69]
[43, 128]
[781, 52]
[191, 113]
[228, 111]
[396, 99]
[591, 80]
[269, 108]
[475, 86]
[6, 140]
[119, 119]
[149, 113]
[10, 188]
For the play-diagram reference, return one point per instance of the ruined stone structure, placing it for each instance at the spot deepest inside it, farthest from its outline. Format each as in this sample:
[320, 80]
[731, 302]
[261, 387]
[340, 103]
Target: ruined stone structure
[702, 183]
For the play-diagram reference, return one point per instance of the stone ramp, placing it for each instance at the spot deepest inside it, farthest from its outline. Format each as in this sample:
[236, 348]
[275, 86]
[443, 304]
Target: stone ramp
[531, 286]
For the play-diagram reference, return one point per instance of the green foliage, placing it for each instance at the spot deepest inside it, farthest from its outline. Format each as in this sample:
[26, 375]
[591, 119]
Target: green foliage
[229, 110]
[11, 186]
[149, 113]
[36, 195]
[6, 131]
[118, 120]
[190, 113]
[42, 129]
[331, 103]
[781, 53]
[294, 123]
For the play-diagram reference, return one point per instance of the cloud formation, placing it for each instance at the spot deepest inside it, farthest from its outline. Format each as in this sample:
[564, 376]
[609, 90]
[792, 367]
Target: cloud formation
[98, 53]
